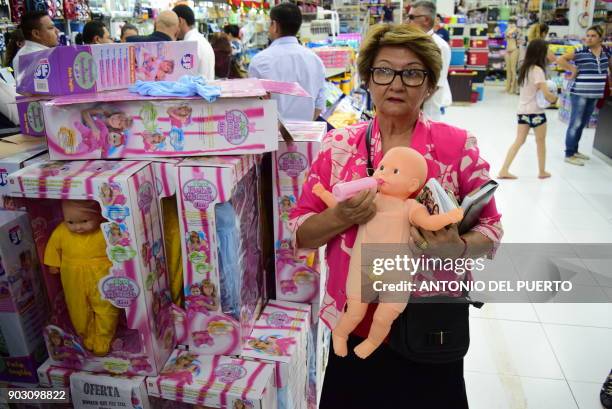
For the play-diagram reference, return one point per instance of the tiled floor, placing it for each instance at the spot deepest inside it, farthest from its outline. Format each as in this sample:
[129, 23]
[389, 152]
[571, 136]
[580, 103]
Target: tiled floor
[541, 356]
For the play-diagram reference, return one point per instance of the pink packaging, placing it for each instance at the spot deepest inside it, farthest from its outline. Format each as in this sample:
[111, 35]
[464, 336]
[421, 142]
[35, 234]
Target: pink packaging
[94, 68]
[126, 125]
[223, 279]
[297, 278]
[280, 336]
[23, 306]
[215, 382]
[136, 283]
[31, 119]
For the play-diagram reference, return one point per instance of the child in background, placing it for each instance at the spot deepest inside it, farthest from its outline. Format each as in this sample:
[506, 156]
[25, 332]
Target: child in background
[531, 79]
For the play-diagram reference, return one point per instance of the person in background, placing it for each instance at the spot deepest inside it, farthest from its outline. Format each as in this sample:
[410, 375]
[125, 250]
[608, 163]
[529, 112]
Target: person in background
[286, 60]
[233, 31]
[539, 31]
[14, 43]
[531, 79]
[605, 395]
[189, 32]
[166, 29]
[440, 30]
[589, 74]
[128, 30]
[94, 32]
[225, 66]
[512, 55]
[39, 33]
[422, 15]
[387, 12]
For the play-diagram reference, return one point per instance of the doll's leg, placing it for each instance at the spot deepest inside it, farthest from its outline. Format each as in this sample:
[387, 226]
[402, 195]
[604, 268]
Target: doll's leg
[355, 311]
[105, 321]
[76, 302]
[384, 316]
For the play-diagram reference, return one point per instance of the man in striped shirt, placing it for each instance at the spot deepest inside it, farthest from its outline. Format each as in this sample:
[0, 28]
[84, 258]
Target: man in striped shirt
[589, 74]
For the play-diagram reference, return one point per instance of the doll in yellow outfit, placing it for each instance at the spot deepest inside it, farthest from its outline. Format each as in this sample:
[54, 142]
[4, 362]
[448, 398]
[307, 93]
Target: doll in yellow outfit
[172, 242]
[77, 250]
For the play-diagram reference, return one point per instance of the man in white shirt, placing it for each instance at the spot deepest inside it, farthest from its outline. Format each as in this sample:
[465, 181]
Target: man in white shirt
[286, 60]
[189, 32]
[423, 15]
[40, 34]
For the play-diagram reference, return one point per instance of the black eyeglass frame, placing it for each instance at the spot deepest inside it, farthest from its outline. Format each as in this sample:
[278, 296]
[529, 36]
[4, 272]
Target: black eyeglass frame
[400, 73]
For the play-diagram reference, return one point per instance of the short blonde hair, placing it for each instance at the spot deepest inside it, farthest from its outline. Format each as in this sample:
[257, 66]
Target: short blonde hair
[400, 35]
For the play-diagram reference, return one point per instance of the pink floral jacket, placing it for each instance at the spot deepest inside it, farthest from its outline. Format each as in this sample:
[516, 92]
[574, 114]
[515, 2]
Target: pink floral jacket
[453, 159]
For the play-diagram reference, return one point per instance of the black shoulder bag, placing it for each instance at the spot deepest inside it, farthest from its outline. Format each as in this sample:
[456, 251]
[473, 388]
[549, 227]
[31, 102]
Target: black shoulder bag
[431, 330]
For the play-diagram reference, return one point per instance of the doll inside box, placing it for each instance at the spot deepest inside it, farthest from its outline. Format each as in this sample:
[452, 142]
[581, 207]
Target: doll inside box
[92, 272]
[221, 304]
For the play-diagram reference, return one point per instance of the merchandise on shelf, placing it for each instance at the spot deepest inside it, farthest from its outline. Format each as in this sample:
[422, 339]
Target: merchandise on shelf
[95, 391]
[102, 67]
[280, 336]
[223, 278]
[122, 124]
[110, 305]
[335, 57]
[215, 382]
[16, 152]
[31, 117]
[297, 278]
[23, 308]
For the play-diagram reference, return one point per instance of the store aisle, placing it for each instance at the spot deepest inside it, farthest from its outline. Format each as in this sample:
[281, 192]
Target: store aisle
[541, 355]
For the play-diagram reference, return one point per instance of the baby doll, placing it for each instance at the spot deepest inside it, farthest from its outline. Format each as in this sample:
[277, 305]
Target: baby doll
[401, 173]
[77, 251]
[153, 69]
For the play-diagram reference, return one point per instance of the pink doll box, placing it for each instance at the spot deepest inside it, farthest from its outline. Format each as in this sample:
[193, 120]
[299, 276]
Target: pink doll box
[280, 337]
[215, 382]
[23, 308]
[16, 152]
[103, 67]
[218, 202]
[297, 275]
[89, 391]
[31, 120]
[127, 125]
[137, 281]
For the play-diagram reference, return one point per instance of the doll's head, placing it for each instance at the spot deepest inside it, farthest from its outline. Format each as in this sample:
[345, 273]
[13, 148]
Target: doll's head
[183, 111]
[184, 361]
[55, 338]
[195, 290]
[208, 288]
[402, 171]
[240, 404]
[165, 67]
[115, 139]
[115, 230]
[119, 121]
[194, 238]
[106, 192]
[152, 139]
[81, 216]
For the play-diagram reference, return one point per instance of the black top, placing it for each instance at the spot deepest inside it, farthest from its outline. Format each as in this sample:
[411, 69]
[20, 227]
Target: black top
[388, 14]
[442, 32]
[156, 37]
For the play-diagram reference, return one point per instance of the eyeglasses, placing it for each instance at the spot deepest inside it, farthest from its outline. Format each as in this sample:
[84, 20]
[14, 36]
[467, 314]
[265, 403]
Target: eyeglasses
[415, 16]
[410, 78]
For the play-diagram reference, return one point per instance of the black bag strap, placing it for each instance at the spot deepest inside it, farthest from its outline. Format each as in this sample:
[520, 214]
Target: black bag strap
[370, 168]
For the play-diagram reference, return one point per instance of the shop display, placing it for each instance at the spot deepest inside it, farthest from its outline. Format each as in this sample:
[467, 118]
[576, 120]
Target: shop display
[23, 309]
[392, 226]
[16, 152]
[223, 280]
[102, 67]
[297, 276]
[280, 337]
[116, 322]
[215, 382]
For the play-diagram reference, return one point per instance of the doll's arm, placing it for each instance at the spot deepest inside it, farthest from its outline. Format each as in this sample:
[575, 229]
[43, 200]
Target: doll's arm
[53, 251]
[419, 216]
[325, 195]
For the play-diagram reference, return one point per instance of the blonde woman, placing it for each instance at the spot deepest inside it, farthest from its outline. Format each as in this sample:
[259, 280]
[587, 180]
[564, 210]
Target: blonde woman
[512, 55]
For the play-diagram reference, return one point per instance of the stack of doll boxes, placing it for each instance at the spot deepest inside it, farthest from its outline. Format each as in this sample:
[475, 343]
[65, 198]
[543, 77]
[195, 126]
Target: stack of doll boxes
[94, 68]
[281, 336]
[80, 389]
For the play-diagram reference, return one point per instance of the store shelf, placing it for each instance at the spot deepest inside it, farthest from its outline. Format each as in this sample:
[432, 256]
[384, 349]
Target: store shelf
[332, 72]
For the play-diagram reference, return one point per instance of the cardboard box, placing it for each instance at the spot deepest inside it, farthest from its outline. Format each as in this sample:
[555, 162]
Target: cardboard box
[94, 68]
[31, 116]
[23, 307]
[215, 382]
[218, 202]
[280, 337]
[137, 282]
[16, 152]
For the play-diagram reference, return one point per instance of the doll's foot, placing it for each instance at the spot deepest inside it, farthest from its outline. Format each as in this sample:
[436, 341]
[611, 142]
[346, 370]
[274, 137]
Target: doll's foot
[340, 347]
[506, 175]
[544, 175]
[365, 349]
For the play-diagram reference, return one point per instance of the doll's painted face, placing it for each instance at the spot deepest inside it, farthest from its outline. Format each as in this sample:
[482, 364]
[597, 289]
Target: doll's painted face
[184, 361]
[55, 339]
[208, 288]
[184, 111]
[402, 172]
[194, 238]
[156, 138]
[166, 66]
[80, 216]
[195, 290]
[119, 120]
[106, 191]
[115, 139]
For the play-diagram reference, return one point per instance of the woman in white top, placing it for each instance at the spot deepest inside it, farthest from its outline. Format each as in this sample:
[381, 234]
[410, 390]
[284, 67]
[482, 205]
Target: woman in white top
[531, 79]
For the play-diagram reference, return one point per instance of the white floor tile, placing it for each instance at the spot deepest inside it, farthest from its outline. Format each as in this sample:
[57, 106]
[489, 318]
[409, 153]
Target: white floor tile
[582, 314]
[586, 394]
[488, 391]
[506, 311]
[583, 352]
[510, 348]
